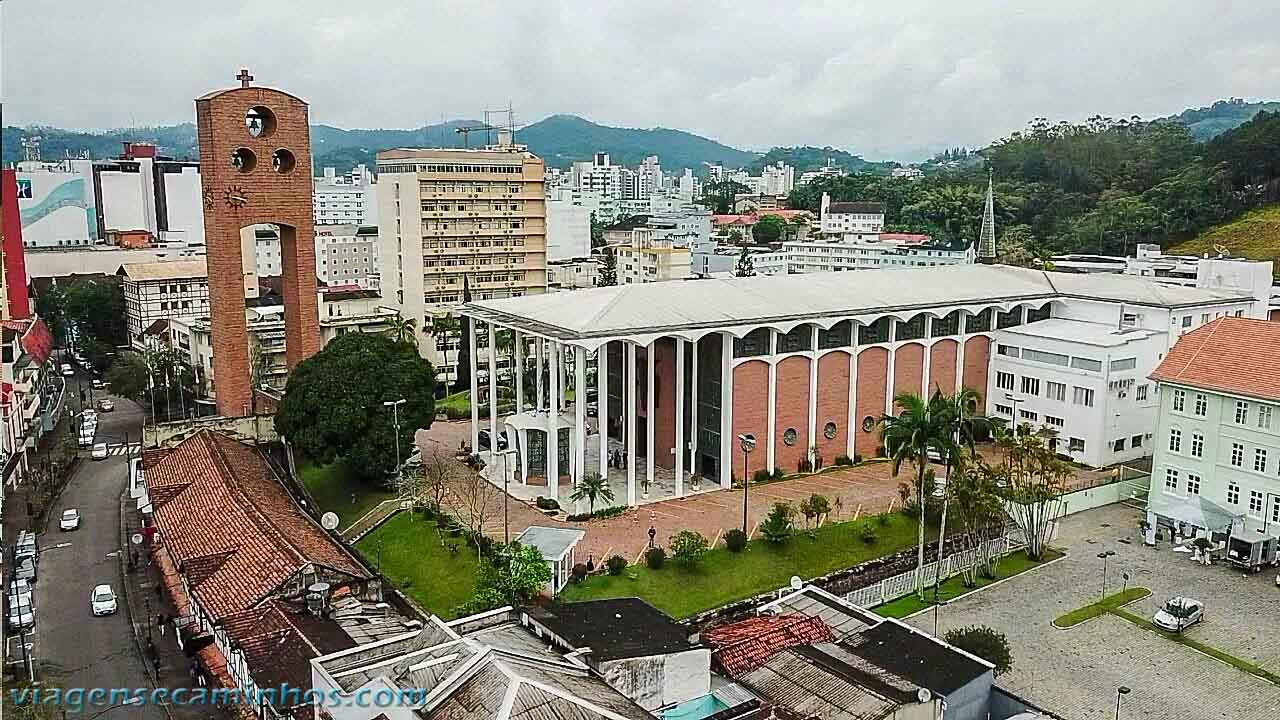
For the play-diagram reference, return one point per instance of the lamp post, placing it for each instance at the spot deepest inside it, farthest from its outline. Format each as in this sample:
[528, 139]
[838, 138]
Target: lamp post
[1104, 556]
[395, 421]
[1015, 400]
[748, 443]
[1120, 692]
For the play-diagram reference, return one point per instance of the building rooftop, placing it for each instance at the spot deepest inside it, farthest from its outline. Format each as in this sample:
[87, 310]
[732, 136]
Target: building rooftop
[1230, 355]
[1080, 331]
[614, 629]
[904, 652]
[54, 263]
[621, 310]
[166, 270]
[862, 208]
[552, 542]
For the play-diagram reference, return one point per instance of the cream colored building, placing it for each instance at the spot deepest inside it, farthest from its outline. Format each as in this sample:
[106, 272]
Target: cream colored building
[449, 214]
[649, 249]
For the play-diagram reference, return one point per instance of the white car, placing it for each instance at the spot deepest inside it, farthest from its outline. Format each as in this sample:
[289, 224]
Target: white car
[103, 600]
[89, 415]
[1178, 614]
[21, 612]
[98, 384]
[67, 370]
[70, 519]
[99, 451]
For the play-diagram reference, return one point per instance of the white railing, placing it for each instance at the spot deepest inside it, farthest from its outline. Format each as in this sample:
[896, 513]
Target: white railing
[903, 584]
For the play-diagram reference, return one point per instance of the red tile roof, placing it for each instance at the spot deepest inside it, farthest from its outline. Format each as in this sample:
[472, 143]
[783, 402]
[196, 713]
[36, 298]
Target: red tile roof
[743, 646]
[230, 526]
[1231, 355]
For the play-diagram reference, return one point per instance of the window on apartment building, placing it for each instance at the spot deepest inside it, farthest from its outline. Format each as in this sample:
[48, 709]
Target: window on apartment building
[1030, 386]
[1082, 396]
[1259, 460]
[1186, 321]
[1004, 380]
[1055, 390]
[1175, 440]
[1054, 421]
[1135, 441]
[1124, 364]
[1008, 351]
[1075, 445]
[1237, 455]
[1179, 400]
[1264, 417]
[1089, 364]
[1275, 509]
[1004, 409]
[1141, 392]
[1046, 357]
[1242, 412]
[1233, 494]
[1028, 416]
[1255, 502]
[1193, 484]
[1197, 445]
[1171, 479]
[1118, 445]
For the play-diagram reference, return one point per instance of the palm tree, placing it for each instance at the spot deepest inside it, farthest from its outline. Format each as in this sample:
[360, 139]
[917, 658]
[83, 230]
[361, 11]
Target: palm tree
[910, 436]
[591, 488]
[962, 425]
[401, 328]
[442, 328]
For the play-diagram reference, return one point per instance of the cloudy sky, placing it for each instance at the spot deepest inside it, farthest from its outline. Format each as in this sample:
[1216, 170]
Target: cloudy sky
[893, 78]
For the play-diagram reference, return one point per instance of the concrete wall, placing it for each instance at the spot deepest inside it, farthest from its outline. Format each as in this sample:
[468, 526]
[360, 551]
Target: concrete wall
[832, 405]
[750, 411]
[873, 363]
[791, 412]
[660, 680]
[242, 428]
[1090, 498]
[977, 358]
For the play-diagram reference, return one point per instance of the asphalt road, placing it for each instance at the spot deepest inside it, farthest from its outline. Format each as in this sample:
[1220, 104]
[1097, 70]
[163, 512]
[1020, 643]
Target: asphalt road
[74, 648]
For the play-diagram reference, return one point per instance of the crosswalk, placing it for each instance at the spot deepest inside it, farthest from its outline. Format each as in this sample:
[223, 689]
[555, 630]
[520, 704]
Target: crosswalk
[120, 449]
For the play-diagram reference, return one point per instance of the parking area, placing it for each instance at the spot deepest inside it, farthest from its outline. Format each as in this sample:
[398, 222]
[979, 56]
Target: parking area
[1076, 672]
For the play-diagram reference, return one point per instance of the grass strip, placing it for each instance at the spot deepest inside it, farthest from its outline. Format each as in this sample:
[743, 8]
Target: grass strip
[1181, 638]
[1103, 606]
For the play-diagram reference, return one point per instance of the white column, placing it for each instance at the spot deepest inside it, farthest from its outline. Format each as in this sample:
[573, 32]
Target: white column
[650, 413]
[562, 383]
[517, 359]
[773, 400]
[553, 423]
[960, 355]
[813, 394]
[925, 362]
[475, 389]
[693, 410]
[888, 380]
[629, 390]
[851, 425]
[537, 371]
[523, 436]
[602, 402]
[726, 410]
[679, 444]
[580, 414]
[493, 390]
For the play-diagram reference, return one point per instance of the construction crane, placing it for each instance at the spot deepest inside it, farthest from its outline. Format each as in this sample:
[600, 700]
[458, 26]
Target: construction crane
[465, 132]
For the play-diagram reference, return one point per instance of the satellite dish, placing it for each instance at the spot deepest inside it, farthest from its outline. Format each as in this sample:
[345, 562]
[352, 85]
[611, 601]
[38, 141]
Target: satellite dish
[796, 582]
[924, 695]
[329, 521]
[1221, 249]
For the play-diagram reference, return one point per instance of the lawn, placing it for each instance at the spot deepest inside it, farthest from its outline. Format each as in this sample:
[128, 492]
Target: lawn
[1105, 605]
[407, 550]
[953, 587]
[336, 489]
[460, 402]
[723, 577]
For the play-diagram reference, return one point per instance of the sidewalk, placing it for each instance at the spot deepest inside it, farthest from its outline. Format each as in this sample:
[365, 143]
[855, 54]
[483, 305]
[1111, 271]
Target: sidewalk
[144, 603]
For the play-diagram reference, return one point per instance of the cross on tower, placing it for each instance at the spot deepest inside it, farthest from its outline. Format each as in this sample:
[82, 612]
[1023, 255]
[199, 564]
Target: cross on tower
[244, 77]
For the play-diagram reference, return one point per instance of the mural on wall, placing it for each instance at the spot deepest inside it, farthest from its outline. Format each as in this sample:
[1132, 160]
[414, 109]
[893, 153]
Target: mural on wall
[66, 194]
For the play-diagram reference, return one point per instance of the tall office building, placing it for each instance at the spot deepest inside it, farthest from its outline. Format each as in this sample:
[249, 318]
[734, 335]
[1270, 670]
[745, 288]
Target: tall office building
[449, 213]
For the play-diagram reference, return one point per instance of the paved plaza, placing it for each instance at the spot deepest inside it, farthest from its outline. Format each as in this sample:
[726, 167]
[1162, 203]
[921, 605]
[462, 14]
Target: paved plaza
[1076, 672]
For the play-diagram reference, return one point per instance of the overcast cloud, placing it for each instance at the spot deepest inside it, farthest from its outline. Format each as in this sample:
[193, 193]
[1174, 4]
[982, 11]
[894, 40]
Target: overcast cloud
[895, 78]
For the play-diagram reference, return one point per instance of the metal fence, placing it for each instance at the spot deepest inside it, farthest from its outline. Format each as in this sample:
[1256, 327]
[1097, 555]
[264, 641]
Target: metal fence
[903, 584]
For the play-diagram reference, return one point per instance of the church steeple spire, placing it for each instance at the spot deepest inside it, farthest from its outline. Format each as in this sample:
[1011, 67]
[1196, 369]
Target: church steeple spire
[987, 236]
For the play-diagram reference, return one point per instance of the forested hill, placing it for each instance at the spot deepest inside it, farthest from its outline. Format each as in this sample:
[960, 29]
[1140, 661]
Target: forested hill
[1098, 186]
[812, 158]
[1208, 122]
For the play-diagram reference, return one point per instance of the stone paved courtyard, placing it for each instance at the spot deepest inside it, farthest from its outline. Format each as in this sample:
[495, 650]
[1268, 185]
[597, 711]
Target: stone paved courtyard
[1075, 672]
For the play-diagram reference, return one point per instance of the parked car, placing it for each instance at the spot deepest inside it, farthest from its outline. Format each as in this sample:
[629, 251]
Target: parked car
[98, 384]
[70, 519]
[89, 416]
[105, 405]
[67, 370]
[103, 600]
[99, 451]
[1178, 614]
[26, 570]
[485, 442]
[22, 613]
[19, 587]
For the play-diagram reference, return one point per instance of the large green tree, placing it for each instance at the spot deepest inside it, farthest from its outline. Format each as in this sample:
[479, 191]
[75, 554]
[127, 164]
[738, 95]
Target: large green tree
[333, 403]
[94, 308]
[769, 229]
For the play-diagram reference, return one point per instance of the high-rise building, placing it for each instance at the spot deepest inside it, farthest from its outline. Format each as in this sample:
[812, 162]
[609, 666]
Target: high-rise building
[449, 213]
[345, 199]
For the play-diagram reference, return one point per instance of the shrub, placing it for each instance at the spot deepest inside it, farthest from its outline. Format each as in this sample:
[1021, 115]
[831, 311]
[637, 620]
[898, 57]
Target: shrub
[804, 466]
[616, 564]
[882, 519]
[735, 540]
[815, 508]
[984, 642]
[778, 474]
[578, 573]
[843, 461]
[453, 412]
[546, 503]
[868, 535]
[688, 547]
[761, 476]
[776, 528]
[655, 557]
[601, 513]
[857, 459]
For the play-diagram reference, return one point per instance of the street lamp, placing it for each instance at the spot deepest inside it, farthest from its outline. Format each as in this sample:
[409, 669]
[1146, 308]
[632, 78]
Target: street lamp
[395, 421]
[748, 443]
[1015, 400]
[1104, 556]
[1120, 692]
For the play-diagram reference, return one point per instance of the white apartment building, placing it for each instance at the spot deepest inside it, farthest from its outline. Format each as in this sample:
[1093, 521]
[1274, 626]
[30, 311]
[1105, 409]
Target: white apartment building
[573, 274]
[907, 172]
[348, 199]
[1216, 469]
[163, 291]
[568, 226]
[777, 179]
[345, 254]
[828, 170]
[877, 251]
[598, 175]
[851, 220]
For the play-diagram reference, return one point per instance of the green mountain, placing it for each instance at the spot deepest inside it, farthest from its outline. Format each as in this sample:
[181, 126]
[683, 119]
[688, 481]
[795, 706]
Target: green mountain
[1208, 122]
[808, 158]
[563, 139]
[177, 141]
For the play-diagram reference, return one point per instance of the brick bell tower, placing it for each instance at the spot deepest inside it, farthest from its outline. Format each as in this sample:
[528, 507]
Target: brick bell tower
[255, 167]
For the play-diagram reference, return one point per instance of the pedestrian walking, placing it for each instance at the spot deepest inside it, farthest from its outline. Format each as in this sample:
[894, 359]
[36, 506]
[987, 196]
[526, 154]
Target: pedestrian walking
[155, 663]
[162, 620]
